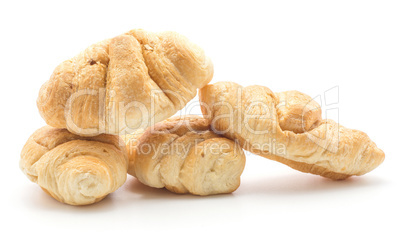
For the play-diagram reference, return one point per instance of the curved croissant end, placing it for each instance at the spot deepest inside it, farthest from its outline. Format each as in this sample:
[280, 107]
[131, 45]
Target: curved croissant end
[124, 83]
[287, 127]
[73, 169]
[184, 156]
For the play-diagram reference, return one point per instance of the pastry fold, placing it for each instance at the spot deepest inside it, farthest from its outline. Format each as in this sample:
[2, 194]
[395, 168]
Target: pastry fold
[121, 84]
[73, 169]
[287, 127]
[183, 155]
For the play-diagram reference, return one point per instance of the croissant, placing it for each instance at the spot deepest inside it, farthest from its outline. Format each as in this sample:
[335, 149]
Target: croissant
[287, 127]
[121, 84]
[184, 156]
[72, 169]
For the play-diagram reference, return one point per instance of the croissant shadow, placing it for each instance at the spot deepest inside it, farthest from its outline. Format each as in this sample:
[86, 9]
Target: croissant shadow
[145, 192]
[134, 192]
[39, 199]
[298, 184]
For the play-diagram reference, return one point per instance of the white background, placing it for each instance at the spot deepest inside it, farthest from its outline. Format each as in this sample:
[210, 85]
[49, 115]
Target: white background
[310, 46]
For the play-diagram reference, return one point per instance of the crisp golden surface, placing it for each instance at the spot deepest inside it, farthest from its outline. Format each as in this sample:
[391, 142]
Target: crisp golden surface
[73, 169]
[185, 156]
[121, 84]
[297, 112]
[287, 127]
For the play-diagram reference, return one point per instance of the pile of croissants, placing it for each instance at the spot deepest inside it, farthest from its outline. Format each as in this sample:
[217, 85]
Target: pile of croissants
[109, 112]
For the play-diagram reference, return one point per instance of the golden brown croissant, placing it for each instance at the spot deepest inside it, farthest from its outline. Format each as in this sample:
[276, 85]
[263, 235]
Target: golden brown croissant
[184, 156]
[292, 133]
[72, 169]
[121, 84]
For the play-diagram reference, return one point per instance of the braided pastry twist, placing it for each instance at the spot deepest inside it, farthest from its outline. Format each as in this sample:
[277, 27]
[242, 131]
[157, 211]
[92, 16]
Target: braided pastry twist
[121, 84]
[292, 133]
[184, 156]
[72, 169]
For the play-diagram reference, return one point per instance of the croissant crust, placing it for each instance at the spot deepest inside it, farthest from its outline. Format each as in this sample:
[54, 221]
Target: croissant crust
[73, 169]
[121, 84]
[185, 156]
[287, 127]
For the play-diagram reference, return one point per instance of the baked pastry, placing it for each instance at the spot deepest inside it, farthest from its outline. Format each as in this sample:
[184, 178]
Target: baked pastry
[121, 84]
[184, 156]
[288, 132]
[72, 169]
[297, 112]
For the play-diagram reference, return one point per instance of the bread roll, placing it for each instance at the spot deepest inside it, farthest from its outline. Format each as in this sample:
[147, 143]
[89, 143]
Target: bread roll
[288, 133]
[72, 169]
[121, 84]
[184, 156]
